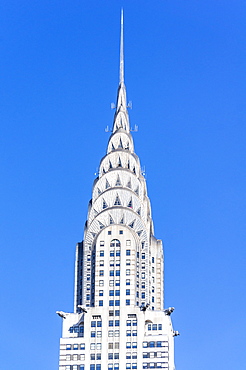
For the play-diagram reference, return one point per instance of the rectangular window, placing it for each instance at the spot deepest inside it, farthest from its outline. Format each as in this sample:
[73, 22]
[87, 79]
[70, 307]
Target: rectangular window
[128, 333]
[99, 346]
[117, 273]
[111, 313]
[128, 344]
[68, 346]
[81, 367]
[93, 334]
[82, 346]
[76, 346]
[128, 242]
[98, 366]
[121, 232]
[127, 302]
[99, 324]
[101, 273]
[68, 357]
[92, 356]
[93, 324]
[110, 333]
[128, 252]
[111, 263]
[111, 254]
[116, 356]
[128, 282]
[101, 283]
[134, 322]
[128, 262]
[101, 263]
[100, 293]
[93, 346]
[101, 243]
[134, 355]
[134, 366]
[128, 355]
[101, 253]
[117, 323]
[111, 303]
[116, 333]
[159, 326]
[117, 292]
[111, 282]
[128, 272]
[110, 345]
[109, 232]
[117, 313]
[111, 323]
[117, 282]
[117, 345]
[117, 303]
[110, 356]
[92, 367]
[134, 344]
[134, 333]
[127, 291]
[154, 327]
[111, 273]
[117, 253]
[143, 256]
[111, 293]
[100, 303]
[117, 263]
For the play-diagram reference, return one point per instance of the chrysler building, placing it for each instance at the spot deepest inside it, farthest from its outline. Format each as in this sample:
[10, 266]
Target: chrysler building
[119, 320]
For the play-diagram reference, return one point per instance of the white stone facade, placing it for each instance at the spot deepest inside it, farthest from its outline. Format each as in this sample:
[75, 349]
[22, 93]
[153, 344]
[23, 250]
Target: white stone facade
[119, 321]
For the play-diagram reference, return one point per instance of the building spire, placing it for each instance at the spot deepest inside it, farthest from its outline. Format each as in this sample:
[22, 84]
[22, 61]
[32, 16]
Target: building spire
[122, 48]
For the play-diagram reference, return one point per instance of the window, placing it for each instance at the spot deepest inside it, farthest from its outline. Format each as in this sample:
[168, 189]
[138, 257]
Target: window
[98, 366]
[116, 366]
[92, 367]
[117, 323]
[111, 273]
[110, 366]
[116, 333]
[117, 263]
[143, 285]
[101, 273]
[111, 253]
[128, 242]
[128, 262]
[128, 282]
[111, 323]
[117, 303]
[101, 283]
[81, 367]
[117, 292]
[134, 333]
[127, 291]
[128, 344]
[99, 346]
[128, 355]
[143, 275]
[82, 346]
[100, 303]
[117, 282]
[109, 232]
[117, 313]
[110, 345]
[117, 345]
[128, 366]
[159, 326]
[93, 356]
[93, 334]
[117, 253]
[143, 295]
[153, 269]
[153, 299]
[153, 259]
[68, 346]
[110, 356]
[128, 272]
[134, 355]
[111, 282]
[111, 303]
[93, 324]
[101, 263]
[111, 292]
[99, 334]
[143, 256]
[134, 366]
[101, 243]
[134, 322]
[127, 302]
[68, 357]
[104, 204]
[128, 252]
[110, 333]
[117, 201]
[121, 232]
[100, 293]
[134, 344]
[117, 273]
[143, 265]
[128, 333]
[76, 346]
[93, 346]
[101, 253]
[115, 243]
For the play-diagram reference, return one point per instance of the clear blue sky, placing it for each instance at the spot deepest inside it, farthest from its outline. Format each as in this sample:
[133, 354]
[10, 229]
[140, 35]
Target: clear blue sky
[186, 75]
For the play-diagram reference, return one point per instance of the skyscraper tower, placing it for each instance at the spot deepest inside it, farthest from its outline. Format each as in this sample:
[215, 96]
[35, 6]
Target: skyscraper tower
[119, 321]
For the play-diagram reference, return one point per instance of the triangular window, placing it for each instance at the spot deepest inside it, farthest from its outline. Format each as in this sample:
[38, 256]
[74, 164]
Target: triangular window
[139, 232]
[113, 148]
[93, 234]
[119, 163]
[128, 165]
[98, 191]
[111, 221]
[134, 170]
[127, 146]
[129, 184]
[95, 212]
[107, 184]
[118, 183]
[137, 190]
[117, 201]
[110, 165]
[101, 226]
[122, 220]
[104, 204]
[132, 224]
[120, 146]
[130, 203]
[104, 170]
[139, 211]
